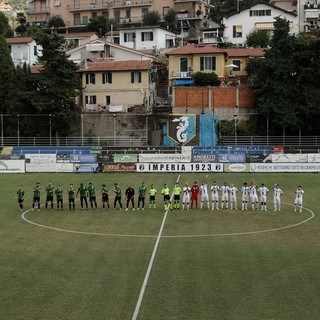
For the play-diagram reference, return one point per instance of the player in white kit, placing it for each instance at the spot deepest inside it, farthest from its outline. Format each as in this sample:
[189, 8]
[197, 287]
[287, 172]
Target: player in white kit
[263, 192]
[254, 196]
[186, 197]
[233, 197]
[277, 193]
[245, 196]
[215, 196]
[224, 196]
[299, 199]
[204, 196]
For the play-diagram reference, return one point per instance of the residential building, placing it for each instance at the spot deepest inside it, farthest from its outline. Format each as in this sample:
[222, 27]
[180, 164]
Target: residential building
[101, 49]
[151, 39]
[116, 85]
[259, 17]
[228, 64]
[24, 50]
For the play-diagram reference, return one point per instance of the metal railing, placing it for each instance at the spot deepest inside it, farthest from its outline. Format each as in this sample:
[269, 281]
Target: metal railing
[141, 141]
[114, 141]
[270, 140]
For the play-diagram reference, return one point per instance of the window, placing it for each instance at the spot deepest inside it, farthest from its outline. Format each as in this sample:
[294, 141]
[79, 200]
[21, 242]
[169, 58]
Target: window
[35, 50]
[259, 13]
[129, 36]
[85, 20]
[207, 63]
[136, 77]
[144, 12]
[116, 16]
[107, 77]
[184, 65]
[91, 99]
[57, 3]
[165, 10]
[90, 78]
[93, 15]
[237, 31]
[128, 13]
[76, 19]
[147, 36]
[236, 63]
[108, 100]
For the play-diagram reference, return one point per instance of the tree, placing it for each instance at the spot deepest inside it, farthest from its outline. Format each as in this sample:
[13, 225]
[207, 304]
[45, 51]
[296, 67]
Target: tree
[170, 19]
[58, 84]
[100, 25]
[286, 82]
[258, 39]
[56, 22]
[152, 18]
[21, 29]
[4, 24]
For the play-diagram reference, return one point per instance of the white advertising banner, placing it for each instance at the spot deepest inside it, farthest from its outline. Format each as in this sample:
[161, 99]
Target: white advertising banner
[162, 157]
[41, 158]
[285, 167]
[287, 157]
[40, 167]
[12, 166]
[313, 157]
[179, 167]
[64, 167]
[236, 167]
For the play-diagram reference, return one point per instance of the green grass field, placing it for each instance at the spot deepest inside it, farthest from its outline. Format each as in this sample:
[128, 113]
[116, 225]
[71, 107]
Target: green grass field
[208, 264]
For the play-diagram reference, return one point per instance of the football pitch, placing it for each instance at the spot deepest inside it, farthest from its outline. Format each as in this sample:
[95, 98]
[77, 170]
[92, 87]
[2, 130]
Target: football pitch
[152, 264]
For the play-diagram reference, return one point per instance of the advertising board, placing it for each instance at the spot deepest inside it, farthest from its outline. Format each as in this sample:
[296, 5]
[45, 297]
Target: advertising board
[40, 167]
[83, 158]
[284, 167]
[236, 167]
[41, 158]
[125, 157]
[164, 157]
[231, 157]
[85, 167]
[119, 167]
[203, 158]
[12, 166]
[179, 167]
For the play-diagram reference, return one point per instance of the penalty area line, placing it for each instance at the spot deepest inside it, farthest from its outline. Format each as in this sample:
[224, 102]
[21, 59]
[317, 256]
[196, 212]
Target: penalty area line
[154, 252]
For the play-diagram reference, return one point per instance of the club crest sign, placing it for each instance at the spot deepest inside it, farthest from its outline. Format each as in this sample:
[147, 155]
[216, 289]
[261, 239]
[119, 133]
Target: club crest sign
[182, 127]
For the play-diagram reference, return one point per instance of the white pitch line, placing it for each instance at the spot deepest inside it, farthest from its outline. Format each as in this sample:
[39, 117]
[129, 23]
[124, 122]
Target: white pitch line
[155, 249]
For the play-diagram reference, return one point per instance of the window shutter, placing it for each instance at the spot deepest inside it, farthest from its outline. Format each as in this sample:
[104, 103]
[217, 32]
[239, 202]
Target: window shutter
[139, 76]
[201, 63]
[110, 77]
[132, 77]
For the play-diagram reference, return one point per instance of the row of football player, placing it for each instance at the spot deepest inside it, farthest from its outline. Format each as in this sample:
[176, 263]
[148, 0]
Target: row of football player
[254, 194]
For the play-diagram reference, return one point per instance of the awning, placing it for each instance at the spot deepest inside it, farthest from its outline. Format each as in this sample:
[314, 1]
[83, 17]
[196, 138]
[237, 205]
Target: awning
[183, 82]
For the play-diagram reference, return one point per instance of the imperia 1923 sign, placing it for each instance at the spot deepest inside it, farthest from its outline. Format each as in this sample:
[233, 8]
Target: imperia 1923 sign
[182, 127]
[179, 167]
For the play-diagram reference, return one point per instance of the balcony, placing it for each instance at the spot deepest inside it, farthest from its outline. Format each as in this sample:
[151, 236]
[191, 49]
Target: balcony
[131, 3]
[38, 10]
[89, 6]
[311, 5]
[181, 75]
[130, 20]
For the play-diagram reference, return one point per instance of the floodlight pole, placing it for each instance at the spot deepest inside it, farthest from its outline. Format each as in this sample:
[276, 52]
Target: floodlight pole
[114, 130]
[18, 130]
[50, 129]
[82, 130]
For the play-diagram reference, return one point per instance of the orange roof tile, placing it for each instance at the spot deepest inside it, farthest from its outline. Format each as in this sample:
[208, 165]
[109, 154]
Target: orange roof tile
[116, 66]
[36, 69]
[203, 49]
[18, 40]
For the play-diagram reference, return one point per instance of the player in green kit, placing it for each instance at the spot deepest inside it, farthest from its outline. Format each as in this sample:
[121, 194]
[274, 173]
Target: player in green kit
[20, 194]
[82, 190]
[176, 196]
[92, 196]
[49, 191]
[105, 197]
[117, 198]
[141, 195]
[36, 196]
[152, 197]
[71, 194]
[59, 195]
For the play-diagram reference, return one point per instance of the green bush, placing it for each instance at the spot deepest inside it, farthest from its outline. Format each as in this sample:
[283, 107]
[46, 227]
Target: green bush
[202, 79]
